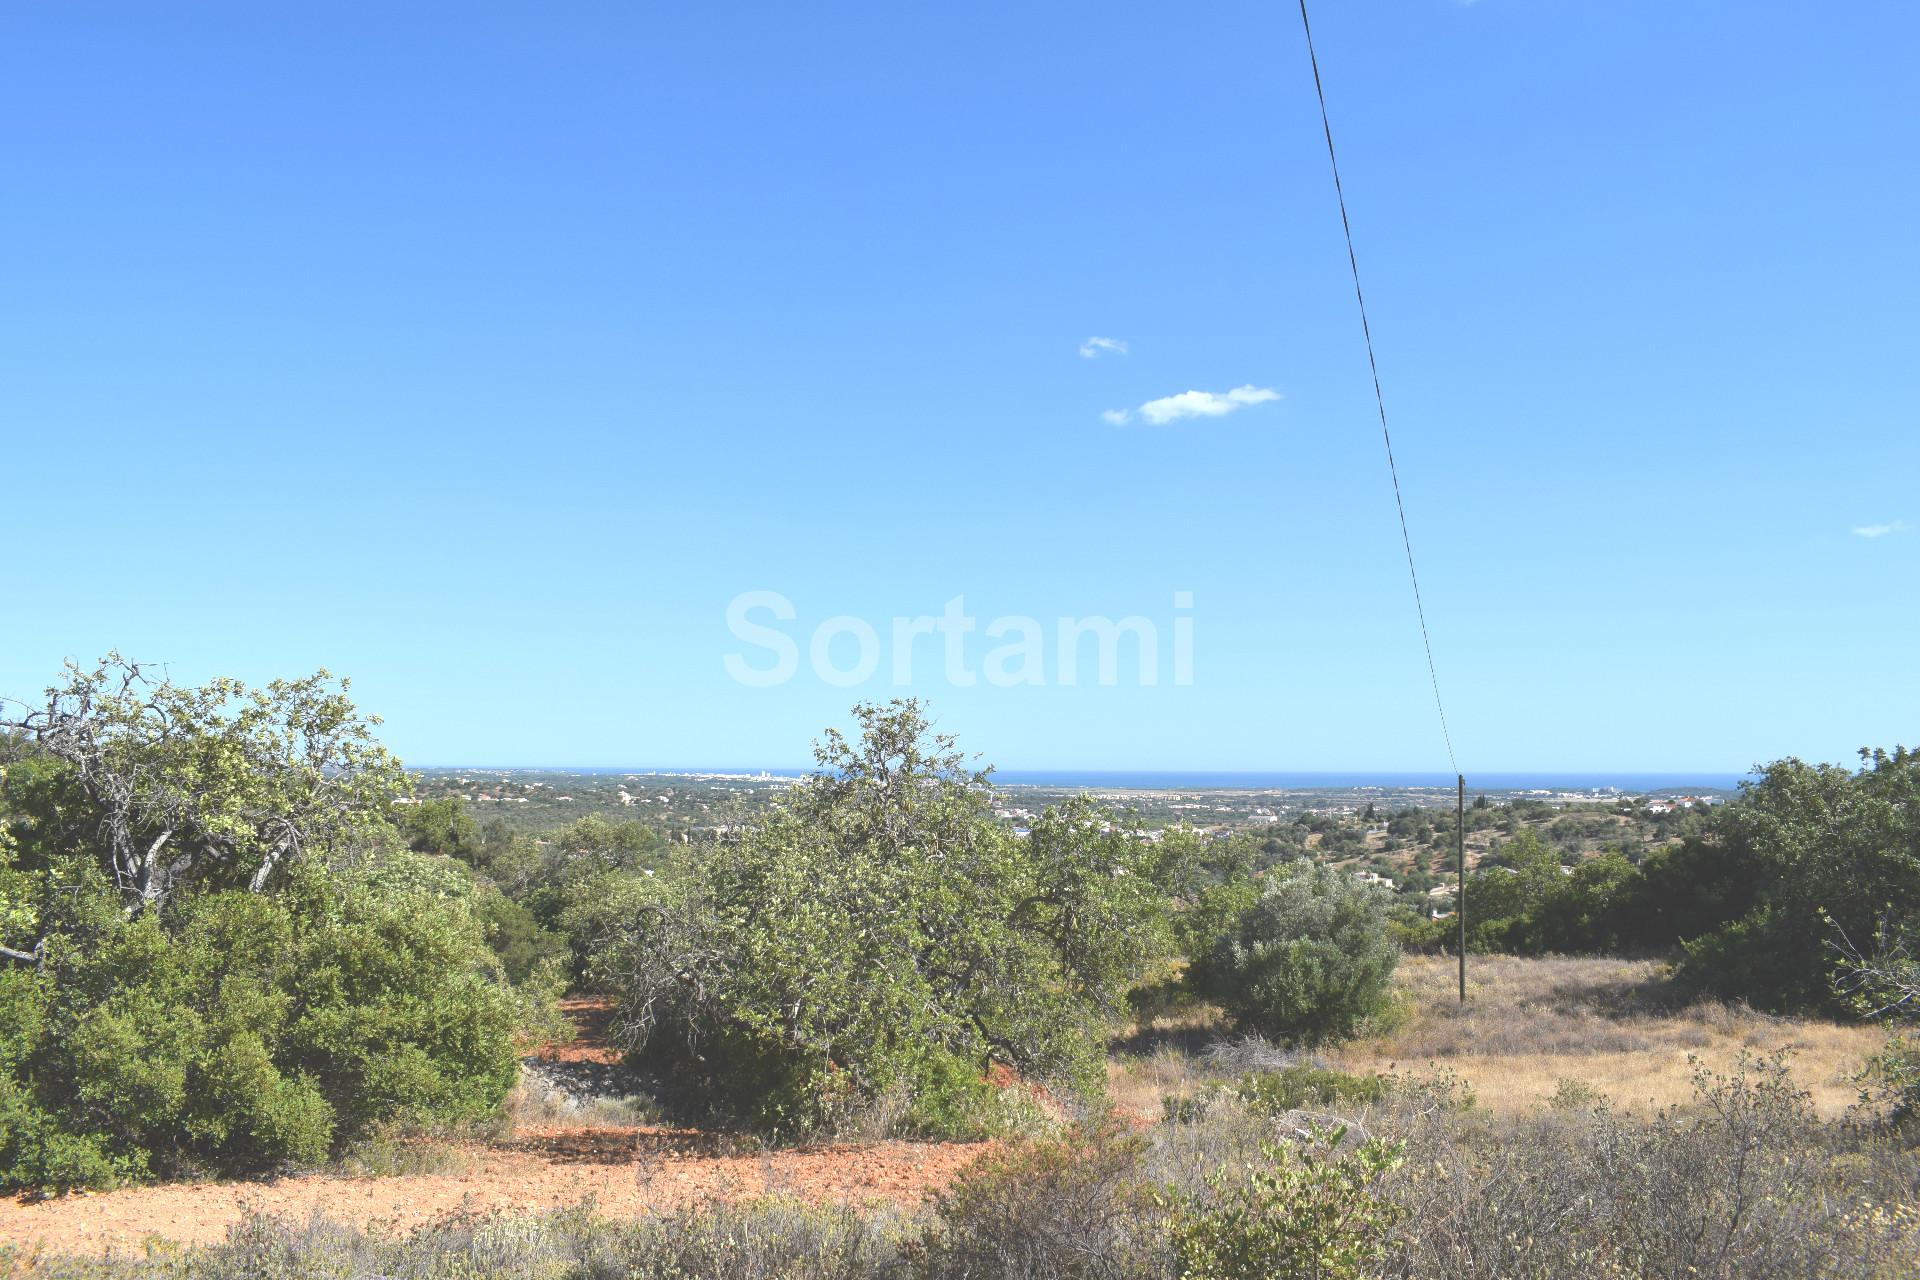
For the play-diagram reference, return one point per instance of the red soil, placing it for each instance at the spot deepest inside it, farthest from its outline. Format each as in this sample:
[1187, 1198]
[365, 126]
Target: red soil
[626, 1171]
[591, 1016]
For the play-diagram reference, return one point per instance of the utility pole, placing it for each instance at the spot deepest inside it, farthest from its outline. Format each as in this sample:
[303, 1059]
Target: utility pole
[1460, 866]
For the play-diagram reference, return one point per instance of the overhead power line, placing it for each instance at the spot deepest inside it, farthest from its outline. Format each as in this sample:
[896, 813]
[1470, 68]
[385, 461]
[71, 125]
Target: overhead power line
[1379, 399]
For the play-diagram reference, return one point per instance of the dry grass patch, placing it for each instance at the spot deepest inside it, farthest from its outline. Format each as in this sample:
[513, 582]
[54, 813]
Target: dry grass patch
[1610, 1024]
[1154, 1059]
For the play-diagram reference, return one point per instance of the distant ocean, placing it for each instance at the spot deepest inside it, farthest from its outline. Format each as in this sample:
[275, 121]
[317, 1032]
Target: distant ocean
[1174, 781]
[1181, 780]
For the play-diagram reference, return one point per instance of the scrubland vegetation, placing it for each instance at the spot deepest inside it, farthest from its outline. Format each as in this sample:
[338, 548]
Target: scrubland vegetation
[1274, 1173]
[232, 949]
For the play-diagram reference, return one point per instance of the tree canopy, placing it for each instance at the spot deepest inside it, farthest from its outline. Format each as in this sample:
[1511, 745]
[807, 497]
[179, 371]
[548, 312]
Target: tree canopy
[882, 936]
[219, 785]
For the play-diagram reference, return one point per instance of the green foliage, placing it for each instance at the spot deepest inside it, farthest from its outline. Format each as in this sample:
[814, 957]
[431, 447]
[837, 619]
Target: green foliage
[1306, 1211]
[238, 1032]
[444, 826]
[1308, 962]
[165, 787]
[1830, 849]
[1213, 883]
[1504, 899]
[881, 933]
[1301, 1085]
[220, 959]
[1890, 1079]
[528, 950]
[1751, 894]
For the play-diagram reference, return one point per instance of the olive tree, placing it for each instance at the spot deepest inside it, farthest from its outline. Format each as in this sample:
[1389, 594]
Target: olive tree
[1308, 961]
[882, 936]
[226, 959]
[219, 785]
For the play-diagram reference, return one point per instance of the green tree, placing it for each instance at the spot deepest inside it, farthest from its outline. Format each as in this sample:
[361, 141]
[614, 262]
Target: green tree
[1829, 848]
[882, 935]
[219, 955]
[166, 786]
[444, 826]
[1507, 893]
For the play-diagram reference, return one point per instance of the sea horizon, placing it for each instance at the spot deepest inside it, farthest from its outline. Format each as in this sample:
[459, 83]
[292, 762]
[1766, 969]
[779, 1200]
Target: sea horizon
[1628, 780]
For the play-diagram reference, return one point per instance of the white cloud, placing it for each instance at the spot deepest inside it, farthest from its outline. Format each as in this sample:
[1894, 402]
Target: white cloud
[1203, 404]
[1094, 348]
[1881, 530]
[1118, 417]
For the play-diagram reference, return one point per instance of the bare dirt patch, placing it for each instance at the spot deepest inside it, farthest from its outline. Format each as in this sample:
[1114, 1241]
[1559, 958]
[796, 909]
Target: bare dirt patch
[625, 1168]
[591, 1016]
[626, 1173]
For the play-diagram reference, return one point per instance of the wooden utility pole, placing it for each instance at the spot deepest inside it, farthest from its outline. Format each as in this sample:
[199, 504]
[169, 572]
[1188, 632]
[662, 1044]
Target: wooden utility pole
[1460, 866]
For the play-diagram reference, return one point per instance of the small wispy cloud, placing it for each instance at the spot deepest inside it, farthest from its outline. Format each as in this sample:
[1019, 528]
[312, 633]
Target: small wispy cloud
[1881, 530]
[1094, 348]
[1194, 404]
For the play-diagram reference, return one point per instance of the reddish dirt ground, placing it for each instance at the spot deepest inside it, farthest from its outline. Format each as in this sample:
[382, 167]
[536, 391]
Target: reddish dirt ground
[625, 1171]
[590, 1016]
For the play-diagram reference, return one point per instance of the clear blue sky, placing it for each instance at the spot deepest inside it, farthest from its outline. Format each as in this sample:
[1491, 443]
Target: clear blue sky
[484, 353]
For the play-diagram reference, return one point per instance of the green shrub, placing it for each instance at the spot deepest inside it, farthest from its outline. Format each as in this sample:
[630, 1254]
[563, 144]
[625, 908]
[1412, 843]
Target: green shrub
[951, 1100]
[1309, 1211]
[1827, 848]
[1308, 962]
[239, 1032]
[526, 948]
[1299, 1086]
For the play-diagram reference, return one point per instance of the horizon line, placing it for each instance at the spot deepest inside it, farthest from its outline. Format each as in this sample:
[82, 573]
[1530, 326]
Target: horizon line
[803, 770]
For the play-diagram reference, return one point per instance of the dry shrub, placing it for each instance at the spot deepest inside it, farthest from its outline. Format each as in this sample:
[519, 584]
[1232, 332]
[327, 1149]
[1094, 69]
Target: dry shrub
[1741, 1185]
[775, 1239]
[1075, 1208]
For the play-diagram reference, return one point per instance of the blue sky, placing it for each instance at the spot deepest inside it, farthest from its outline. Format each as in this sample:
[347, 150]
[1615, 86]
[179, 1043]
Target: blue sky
[484, 353]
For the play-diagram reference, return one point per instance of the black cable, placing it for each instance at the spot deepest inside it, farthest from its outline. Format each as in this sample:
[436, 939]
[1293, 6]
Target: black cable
[1379, 399]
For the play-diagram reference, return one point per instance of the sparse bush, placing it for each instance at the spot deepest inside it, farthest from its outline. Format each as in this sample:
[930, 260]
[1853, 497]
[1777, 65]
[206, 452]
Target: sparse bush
[1307, 1211]
[1070, 1208]
[1744, 1184]
[770, 1239]
[1275, 1093]
[1245, 1053]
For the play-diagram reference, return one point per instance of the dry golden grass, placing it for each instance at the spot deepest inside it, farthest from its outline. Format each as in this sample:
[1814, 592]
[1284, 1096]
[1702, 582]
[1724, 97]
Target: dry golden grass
[1137, 1083]
[1532, 1022]
[1611, 1025]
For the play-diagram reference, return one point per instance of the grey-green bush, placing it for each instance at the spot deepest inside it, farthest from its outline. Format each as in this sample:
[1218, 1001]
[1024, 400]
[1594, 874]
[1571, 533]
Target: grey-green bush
[1308, 962]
